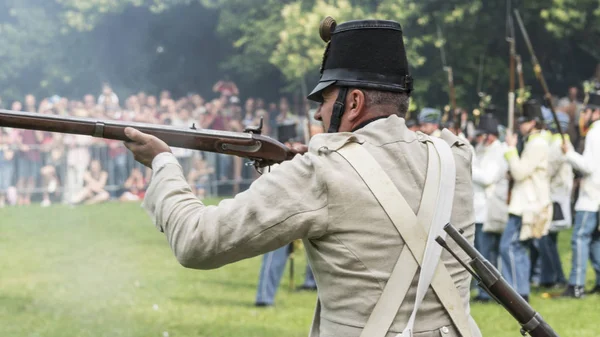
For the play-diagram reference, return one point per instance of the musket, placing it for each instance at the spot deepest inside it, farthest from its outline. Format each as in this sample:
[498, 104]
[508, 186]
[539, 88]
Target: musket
[478, 111]
[451, 91]
[512, 59]
[291, 251]
[510, 30]
[261, 150]
[492, 282]
[520, 72]
[538, 73]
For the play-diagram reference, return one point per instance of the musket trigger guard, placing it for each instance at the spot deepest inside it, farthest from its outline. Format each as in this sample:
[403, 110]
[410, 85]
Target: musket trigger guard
[99, 130]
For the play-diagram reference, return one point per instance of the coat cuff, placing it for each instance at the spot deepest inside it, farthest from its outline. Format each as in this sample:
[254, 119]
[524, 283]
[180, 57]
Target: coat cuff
[510, 153]
[163, 159]
[153, 195]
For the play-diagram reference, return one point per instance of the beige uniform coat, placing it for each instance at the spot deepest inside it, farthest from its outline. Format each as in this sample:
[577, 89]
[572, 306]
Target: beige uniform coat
[530, 197]
[351, 243]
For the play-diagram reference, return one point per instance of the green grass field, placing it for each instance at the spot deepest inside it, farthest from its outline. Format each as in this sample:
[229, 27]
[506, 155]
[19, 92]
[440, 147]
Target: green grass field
[106, 271]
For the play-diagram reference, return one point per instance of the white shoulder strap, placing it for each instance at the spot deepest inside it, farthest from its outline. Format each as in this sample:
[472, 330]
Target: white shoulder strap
[442, 210]
[415, 235]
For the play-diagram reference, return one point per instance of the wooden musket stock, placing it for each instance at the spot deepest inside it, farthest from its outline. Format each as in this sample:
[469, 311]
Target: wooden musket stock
[264, 151]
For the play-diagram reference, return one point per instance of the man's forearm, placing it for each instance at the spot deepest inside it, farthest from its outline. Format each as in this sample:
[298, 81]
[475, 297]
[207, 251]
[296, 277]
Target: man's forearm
[278, 208]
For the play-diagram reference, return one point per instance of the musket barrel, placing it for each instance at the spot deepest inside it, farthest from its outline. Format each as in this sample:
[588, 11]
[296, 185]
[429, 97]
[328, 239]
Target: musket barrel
[42, 122]
[525, 36]
[462, 242]
[538, 73]
[233, 143]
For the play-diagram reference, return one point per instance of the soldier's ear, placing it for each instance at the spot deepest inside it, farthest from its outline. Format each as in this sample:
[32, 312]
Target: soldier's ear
[355, 104]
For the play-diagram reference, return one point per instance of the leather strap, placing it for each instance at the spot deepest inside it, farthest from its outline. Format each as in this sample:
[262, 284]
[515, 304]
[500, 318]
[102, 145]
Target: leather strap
[338, 110]
[414, 232]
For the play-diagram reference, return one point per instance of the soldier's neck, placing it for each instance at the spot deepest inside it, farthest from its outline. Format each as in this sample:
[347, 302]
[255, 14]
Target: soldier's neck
[368, 121]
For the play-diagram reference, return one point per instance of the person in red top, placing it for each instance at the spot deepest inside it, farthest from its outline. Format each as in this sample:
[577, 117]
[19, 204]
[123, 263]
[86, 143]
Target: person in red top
[226, 87]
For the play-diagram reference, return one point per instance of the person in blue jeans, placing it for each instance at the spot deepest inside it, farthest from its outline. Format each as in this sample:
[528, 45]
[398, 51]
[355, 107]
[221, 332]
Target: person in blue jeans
[585, 241]
[530, 198]
[271, 271]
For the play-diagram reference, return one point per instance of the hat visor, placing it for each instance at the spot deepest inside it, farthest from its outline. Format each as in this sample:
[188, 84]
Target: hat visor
[479, 132]
[592, 106]
[316, 94]
[521, 120]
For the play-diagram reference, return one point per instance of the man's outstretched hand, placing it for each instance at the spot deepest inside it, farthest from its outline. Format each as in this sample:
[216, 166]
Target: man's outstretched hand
[144, 147]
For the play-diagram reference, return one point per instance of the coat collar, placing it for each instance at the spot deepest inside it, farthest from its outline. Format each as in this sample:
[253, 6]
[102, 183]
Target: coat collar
[391, 129]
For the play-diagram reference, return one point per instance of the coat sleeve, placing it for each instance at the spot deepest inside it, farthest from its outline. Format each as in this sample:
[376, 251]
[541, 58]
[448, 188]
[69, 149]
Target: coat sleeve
[521, 168]
[286, 204]
[585, 163]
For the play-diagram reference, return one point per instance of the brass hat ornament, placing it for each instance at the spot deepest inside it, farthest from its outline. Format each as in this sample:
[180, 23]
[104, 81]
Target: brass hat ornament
[326, 28]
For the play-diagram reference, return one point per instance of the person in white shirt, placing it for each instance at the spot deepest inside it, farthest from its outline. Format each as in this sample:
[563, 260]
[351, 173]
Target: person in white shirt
[561, 176]
[108, 98]
[490, 189]
[586, 237]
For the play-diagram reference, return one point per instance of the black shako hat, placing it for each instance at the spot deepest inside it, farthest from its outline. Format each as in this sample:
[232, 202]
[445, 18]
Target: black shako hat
[366, 54]
[488, 124]
[491, 109]
[593, 101]
[531, 110]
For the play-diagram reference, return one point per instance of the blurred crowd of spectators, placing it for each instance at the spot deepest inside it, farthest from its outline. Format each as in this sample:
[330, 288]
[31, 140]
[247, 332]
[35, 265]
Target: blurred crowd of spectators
[73, 169]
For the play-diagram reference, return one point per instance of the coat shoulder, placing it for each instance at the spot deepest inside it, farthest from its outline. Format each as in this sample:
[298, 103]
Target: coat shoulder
[332, 141]
[459, 146]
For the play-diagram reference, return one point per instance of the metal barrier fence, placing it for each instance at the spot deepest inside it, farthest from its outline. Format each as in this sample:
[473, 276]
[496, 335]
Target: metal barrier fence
[33, 172]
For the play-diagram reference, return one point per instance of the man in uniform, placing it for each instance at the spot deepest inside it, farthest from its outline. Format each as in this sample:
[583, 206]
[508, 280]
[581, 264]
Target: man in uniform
[429, 121]
[585, 241]
[560, 173]
[490, 187]
[356, 237]
[413, 125]
[530, 208]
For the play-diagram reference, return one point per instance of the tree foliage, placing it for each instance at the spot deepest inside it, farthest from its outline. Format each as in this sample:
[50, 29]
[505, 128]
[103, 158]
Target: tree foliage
[578, 20]
[52, 44]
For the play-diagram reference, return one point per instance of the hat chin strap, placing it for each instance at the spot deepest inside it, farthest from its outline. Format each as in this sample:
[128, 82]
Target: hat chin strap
[338, 111]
